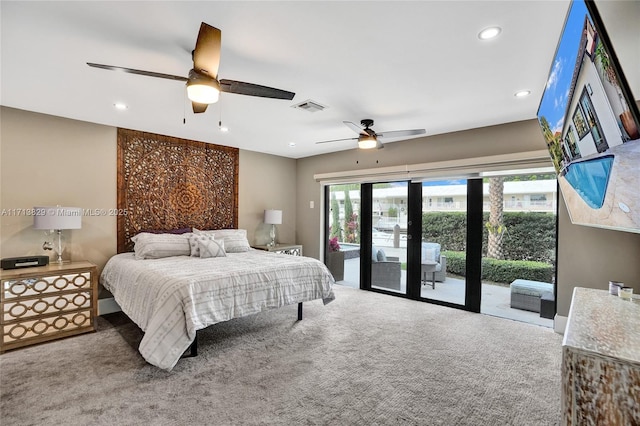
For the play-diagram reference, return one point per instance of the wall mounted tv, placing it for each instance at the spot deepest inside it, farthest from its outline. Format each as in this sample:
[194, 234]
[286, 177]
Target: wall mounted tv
[591, 123]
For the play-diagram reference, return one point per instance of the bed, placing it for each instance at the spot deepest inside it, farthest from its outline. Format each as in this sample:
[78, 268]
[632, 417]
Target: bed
[172, 279]
[170, 298]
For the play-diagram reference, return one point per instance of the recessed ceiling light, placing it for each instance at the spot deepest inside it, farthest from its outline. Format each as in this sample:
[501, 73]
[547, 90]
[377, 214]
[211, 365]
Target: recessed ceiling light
[292, 144]
[522, 93]
[121, 106]
[489, 33]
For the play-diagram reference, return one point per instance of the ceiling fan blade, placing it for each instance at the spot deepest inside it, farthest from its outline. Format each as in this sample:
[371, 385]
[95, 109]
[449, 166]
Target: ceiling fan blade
[139, 72]
[353, 126]
[401, 133]
[238, 87]
[339, 140]
[206, 55]
[198, 108]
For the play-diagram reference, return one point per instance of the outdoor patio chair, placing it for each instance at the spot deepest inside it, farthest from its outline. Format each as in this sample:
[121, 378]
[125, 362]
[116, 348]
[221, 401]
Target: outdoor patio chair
[433, 264]
[386, 271]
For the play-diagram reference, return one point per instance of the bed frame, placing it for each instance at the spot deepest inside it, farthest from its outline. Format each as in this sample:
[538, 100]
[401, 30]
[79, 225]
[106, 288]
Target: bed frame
[192, 350]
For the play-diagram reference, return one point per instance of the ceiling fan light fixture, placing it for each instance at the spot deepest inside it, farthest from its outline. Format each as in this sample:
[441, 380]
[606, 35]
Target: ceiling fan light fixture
[202, 93]
[202, 90]
[367, 143]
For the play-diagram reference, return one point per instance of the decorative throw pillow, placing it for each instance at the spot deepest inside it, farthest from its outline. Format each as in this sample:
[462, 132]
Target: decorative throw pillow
[193, 243]
[156, 246]
[381, 256]
[210, 247]
[429, 255]
[235, 240]
[374, 254]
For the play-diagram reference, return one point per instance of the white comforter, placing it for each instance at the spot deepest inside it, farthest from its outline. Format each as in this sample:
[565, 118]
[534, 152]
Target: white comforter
[171, 298]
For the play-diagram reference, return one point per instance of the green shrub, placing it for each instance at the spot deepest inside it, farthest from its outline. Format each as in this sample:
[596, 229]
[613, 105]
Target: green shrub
[501, 271]
[447, 228]
[505, 271]
[456, 262]
[529, 235]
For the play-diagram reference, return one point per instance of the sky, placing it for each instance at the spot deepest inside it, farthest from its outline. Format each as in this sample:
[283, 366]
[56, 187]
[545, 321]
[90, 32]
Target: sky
[554, 99]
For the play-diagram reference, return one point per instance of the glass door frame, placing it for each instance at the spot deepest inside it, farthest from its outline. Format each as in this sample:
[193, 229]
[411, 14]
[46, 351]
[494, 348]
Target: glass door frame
[473, 283]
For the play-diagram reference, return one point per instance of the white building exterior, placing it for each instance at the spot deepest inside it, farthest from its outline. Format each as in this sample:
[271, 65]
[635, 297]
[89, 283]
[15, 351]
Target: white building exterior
[520, 196]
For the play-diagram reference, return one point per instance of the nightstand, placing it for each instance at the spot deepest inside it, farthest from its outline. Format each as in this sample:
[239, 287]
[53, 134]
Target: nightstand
[284, 248]
[47, 302]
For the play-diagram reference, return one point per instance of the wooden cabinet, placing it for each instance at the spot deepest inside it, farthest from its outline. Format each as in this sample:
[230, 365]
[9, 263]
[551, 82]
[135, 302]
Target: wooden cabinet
[46, 303]
[284, 248]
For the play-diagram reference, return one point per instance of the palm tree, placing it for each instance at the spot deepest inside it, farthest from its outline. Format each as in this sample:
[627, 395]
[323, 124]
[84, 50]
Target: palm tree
[495, 226]
[335, 214]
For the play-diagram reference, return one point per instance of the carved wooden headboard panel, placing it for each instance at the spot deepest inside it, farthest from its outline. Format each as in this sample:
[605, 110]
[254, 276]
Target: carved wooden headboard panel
[167, 183]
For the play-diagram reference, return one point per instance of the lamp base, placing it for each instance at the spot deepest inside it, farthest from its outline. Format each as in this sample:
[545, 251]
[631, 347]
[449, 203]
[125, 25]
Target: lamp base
[59, 249]
[272, 234]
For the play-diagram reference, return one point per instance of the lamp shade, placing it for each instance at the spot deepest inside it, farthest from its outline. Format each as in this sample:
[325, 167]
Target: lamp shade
[57, 217]
[273, 217]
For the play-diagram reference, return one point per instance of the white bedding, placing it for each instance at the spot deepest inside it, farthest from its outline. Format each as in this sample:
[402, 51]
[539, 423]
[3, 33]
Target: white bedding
[172, 297]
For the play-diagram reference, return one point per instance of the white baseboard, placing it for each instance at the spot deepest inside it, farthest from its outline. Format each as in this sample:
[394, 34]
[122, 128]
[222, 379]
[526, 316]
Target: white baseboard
[108, 306]
[559, 323]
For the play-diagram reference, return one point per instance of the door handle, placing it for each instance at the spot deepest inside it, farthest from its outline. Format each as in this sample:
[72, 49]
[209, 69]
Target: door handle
[408, 237]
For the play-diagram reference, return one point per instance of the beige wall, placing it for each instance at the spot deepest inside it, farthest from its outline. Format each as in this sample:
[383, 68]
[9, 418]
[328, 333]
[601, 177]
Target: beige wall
[267, 182]
[46, 160]
[591, 257]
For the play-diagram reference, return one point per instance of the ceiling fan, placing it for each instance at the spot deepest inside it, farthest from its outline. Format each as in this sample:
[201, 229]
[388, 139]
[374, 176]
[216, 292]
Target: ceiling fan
[203, 86]
[368, 138]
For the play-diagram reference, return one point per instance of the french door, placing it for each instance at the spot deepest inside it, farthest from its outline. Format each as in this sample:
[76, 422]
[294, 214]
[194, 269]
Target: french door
[404, 245]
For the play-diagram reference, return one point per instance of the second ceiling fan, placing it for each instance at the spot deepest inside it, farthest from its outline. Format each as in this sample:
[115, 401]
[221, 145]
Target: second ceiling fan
[203, 86]
[368, 138]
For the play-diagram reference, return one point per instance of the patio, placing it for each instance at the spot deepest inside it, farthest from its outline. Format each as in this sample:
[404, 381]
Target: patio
[495, 298]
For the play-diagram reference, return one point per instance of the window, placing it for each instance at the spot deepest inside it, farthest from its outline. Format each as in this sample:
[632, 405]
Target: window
[578, 121]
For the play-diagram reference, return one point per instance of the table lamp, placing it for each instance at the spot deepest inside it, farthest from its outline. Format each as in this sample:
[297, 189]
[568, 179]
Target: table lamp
[273, 218]
[56, 219]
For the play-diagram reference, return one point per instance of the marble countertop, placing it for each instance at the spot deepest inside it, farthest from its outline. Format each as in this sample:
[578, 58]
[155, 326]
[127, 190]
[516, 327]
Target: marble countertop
[604, 324]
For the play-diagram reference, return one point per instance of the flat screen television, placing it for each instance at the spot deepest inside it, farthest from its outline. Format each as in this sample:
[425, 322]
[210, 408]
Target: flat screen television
[591, 123]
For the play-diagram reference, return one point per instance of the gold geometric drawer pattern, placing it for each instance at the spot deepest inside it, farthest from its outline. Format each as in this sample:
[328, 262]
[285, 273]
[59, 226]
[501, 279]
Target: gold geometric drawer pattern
[24, 309]
[45, 326]
[45, 303]
[52, 284]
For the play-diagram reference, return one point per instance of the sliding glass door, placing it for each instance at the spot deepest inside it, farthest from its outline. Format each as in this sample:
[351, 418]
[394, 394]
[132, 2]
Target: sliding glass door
[342, 249]
[412, 239]
[429, 240]
[388, 236]
[443, 240]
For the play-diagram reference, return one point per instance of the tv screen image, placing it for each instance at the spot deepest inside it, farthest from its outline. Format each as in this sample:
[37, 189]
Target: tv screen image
[591, 124]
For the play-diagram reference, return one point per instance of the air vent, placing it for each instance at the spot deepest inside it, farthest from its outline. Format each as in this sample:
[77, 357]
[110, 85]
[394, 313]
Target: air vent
[310, 106]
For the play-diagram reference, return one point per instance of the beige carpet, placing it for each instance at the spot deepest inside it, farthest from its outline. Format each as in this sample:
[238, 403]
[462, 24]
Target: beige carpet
[365, 359]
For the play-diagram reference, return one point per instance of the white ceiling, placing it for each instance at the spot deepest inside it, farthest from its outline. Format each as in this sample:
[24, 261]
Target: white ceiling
[406, 65]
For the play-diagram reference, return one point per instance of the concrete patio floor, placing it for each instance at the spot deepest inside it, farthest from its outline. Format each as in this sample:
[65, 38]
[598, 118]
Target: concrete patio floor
[495, 299]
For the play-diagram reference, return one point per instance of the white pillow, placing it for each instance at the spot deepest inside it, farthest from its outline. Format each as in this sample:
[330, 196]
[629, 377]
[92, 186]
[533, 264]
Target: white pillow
[210, 247]
[156, 246]
[428, 255]
[235, 240]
